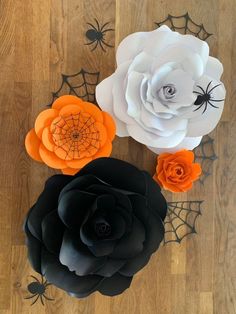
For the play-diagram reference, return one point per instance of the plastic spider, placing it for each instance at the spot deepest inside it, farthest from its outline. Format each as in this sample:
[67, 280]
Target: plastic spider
[37, 289]
[96, 35]
[205, 98]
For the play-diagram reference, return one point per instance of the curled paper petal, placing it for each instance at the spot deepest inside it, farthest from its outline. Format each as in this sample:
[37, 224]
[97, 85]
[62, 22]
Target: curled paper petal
[166, 92]
[70, 134]
[94, 231]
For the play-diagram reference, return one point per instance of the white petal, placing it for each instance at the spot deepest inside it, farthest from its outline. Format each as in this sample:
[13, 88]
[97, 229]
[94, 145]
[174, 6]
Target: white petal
[105, 100]
[132, 94]
[193, 65]
[141, 63]
[104, 94]
[174, 124]
[130, 47]
[214, 68]
[148, 138]
[134, 43]
[188, 143]
[158, 77]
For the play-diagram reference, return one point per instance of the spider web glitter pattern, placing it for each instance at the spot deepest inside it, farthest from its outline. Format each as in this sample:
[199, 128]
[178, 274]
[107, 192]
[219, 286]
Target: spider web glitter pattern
[185, 25]
[76, 135]
[180, 220]
[81, 84]
[205, 155]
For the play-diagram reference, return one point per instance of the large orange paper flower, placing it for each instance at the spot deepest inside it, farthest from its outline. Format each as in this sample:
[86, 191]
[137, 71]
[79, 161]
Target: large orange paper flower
[70, 134]
[176, 172]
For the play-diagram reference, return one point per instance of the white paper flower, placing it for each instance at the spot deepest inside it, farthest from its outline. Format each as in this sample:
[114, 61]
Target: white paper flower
[166, 91]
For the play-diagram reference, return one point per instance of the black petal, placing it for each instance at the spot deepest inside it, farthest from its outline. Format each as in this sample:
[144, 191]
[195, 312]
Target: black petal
[58, 182]
[76, 256]
[154, 234]
[131, 244]
[121, 198]
[114, 285]
[117, 173]
[155, 199]
[110, 267]
[34, 249]
[74, 207]
[80, 183]
[47, 202]
[52, 232]
[102, 248]
[60, 276]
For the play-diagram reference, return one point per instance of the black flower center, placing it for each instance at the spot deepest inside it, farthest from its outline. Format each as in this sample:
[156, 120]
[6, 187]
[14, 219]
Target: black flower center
[102, 229]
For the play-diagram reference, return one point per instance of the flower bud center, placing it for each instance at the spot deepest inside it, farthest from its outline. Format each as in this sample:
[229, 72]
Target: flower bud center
[169, 91]
[102, 229]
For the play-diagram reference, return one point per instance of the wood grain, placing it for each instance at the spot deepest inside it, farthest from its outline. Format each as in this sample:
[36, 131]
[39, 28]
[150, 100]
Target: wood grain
[39, 40]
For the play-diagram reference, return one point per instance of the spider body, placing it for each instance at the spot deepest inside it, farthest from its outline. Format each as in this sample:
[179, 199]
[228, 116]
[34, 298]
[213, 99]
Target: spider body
[205, 98]
[37, 290]
[96, 35]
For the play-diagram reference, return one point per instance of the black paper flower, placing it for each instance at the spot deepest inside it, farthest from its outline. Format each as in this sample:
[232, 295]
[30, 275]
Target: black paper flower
[95, 230]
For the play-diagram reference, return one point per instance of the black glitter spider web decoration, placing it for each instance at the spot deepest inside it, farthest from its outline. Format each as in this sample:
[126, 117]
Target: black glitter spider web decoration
[185, 25]
[81, 84]
[75, 135]
[205, 155]
[180, 220]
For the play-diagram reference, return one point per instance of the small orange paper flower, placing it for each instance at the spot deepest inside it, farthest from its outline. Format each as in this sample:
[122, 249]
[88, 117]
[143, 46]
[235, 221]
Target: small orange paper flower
[176, 172]
[70, 134]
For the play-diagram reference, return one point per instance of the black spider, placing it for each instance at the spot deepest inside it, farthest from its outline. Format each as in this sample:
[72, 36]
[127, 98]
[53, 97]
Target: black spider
[37, 289]
[97, 34]
[205, 98]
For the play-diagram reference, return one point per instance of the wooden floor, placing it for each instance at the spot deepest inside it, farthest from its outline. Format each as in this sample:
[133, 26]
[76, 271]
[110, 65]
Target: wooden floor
[39, 40]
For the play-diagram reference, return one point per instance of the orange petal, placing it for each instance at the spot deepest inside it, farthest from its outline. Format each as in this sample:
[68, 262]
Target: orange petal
[70, 171]
[47, 139]
[95, 112]
[102, 133]
[32, 143]
[51, 159]
[78, 163]
[66, 100]
[63, 152]
[44, 119]
[197, 170]
[110, 125]
[187, 154]
[104, 151]
[70, 110]
[172, 187]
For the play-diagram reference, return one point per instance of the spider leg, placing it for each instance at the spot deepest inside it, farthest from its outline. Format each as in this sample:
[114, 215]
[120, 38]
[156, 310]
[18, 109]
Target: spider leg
[208, 87]
[104, 26]
[214, 88]
[35, 278]
[99, 29]
[197, 108]
[47, 298]
[41, 299]
[217, 100]
[201, 89]
[108, 30]
[101, 45]
[92, 26]
[205, 107]
[106, 43]
[212, 105]
[47, 284]
[197, 93]
[31, 296]
[95, 46]
[91, 42]
[35, 300]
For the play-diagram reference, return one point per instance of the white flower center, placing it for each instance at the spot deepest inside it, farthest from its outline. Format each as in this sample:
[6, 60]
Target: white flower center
[169, 91]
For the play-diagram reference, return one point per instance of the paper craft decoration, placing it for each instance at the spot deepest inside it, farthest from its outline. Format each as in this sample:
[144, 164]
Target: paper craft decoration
[95, 230]
[70, 134]
[176, 172]
[166, 91]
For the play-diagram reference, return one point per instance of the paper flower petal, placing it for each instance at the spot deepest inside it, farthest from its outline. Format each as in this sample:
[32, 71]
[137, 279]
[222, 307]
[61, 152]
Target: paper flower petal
[32, 144]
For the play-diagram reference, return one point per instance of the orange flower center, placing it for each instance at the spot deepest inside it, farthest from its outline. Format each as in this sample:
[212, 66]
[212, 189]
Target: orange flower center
[179, 171]
[75, 136]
